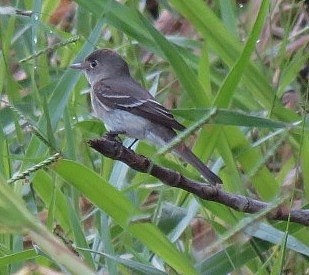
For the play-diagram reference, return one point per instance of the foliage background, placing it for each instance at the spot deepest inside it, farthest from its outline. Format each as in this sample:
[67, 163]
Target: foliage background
[246, 64]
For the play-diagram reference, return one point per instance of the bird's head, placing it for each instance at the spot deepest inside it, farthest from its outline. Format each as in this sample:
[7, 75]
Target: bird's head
[102, 64]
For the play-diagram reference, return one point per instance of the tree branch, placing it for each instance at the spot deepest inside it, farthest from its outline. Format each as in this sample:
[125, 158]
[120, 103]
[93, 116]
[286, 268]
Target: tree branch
[112, 148]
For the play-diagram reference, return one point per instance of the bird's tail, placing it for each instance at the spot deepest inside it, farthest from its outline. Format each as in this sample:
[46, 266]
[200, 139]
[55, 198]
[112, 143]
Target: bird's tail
[186, 154]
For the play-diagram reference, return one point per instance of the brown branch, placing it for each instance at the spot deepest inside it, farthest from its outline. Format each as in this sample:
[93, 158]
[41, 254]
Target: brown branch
[114, 149]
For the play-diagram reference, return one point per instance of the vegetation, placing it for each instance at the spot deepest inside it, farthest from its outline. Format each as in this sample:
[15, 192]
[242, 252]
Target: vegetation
[238, 70]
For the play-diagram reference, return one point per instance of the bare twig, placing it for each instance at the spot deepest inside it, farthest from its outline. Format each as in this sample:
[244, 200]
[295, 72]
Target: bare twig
[114, 149]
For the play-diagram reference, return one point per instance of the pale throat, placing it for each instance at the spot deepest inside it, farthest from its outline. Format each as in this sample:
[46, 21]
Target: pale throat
[94, 78]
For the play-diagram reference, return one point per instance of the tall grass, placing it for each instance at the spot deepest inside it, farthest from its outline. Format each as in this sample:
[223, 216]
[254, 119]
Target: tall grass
[116, 219]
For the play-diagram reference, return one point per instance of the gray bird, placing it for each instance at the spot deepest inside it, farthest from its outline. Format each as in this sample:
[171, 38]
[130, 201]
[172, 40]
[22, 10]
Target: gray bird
[127, 108]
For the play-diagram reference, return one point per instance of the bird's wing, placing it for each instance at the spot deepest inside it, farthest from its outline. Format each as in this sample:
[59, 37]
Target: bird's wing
[130, 96]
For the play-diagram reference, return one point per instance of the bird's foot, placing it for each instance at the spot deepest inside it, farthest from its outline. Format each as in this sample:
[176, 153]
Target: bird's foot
[113, 135]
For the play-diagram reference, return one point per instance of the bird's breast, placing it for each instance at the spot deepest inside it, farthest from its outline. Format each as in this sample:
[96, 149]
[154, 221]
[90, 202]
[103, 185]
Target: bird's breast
[119, 120]
[98, 107]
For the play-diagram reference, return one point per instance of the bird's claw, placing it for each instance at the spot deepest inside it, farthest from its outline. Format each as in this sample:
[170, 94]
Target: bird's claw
[113, 135]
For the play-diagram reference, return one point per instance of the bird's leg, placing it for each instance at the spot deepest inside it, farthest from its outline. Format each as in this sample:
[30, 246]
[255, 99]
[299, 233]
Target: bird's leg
[135, 140]
[113, 135]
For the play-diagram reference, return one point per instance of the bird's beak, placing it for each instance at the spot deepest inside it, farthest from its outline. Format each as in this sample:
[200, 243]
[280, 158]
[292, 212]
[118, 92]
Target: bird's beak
[79, 66]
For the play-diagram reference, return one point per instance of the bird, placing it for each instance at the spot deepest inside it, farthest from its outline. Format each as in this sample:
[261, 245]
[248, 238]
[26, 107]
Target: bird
[125, 107]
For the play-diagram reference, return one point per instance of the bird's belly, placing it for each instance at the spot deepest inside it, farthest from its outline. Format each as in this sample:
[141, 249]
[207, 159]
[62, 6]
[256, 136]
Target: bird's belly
[122, 121]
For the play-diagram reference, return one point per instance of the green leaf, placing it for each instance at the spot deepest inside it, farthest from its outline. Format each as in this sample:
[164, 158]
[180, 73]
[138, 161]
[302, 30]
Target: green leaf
[227, 90]
[291, 71]
[232, 118]
[14, 217]
[232, 258]
[115, 204]
[22, 256]
[228, 15]
[133, 265]
[268, 233]
[225, 45]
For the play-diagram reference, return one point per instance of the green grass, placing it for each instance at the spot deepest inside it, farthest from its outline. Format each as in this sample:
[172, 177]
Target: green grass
[231, 81]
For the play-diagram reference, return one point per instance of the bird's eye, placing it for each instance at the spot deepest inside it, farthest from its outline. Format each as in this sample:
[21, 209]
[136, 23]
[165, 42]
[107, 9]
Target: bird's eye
[93, 63]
